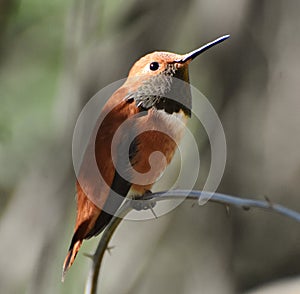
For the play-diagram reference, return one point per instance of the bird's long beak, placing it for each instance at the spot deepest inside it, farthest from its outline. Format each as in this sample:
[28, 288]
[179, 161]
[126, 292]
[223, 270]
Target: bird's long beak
[191, 55]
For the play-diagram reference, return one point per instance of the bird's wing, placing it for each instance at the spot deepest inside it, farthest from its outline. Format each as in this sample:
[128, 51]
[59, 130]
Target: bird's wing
[97, 190]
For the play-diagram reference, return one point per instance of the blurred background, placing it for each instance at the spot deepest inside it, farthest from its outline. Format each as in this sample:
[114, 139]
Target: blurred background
[55, 55]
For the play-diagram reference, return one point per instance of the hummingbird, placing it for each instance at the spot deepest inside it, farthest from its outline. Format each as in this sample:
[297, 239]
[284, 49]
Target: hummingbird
[148, 113]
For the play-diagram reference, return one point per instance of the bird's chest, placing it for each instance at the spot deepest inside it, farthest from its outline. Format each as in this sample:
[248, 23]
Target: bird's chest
[159, 137]
[161, 131]
[172, 125]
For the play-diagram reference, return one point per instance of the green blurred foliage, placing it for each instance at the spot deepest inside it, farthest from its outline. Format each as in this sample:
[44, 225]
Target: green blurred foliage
[31, 60]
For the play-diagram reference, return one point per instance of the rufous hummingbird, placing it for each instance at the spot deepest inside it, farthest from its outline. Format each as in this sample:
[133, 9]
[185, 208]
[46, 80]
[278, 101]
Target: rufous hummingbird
[145, 99]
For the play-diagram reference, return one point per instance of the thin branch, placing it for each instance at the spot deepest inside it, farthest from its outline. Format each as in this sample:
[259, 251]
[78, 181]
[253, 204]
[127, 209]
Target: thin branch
[91, 285]
[244, 203]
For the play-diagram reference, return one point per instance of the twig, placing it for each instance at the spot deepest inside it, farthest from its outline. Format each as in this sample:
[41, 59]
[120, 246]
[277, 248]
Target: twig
[244, 203]
[91, 285]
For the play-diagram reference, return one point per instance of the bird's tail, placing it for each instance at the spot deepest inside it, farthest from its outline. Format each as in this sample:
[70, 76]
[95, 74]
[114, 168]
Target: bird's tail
[76, 242]
[70, 257]
[87, 214]
[91, 220]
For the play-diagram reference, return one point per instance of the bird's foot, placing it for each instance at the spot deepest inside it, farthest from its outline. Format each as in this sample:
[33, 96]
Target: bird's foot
[141, 204]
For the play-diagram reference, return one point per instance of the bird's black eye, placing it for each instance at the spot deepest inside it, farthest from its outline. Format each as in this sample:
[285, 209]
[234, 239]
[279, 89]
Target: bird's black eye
[154, 65]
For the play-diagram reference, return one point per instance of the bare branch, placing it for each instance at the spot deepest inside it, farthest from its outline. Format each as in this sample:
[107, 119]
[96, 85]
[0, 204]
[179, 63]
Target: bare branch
[227, 200]
[91, 285]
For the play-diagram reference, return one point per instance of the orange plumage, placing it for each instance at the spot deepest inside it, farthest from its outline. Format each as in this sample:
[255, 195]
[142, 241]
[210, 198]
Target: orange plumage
[145, 92]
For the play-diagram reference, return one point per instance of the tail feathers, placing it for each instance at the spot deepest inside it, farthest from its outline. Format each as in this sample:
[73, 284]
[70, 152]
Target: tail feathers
[91, 220]
[76, 242]
[69, 260]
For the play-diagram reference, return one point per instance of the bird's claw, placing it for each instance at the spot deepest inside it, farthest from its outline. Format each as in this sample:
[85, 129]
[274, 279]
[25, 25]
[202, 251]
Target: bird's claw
[140, 204]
